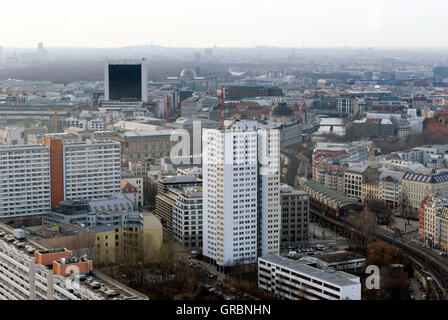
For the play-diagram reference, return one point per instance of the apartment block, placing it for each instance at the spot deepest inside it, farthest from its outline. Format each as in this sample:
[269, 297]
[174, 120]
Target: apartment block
[25, 180]
[89, 170]
[241, 192]
[92, 170]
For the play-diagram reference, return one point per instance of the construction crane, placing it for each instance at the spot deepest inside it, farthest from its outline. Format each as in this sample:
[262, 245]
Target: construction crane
[167, 108]
[222, 104]
[55, 119]
[372, 150]
[222, 94]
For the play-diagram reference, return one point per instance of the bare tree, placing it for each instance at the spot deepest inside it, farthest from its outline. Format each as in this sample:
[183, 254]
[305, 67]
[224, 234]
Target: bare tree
[382, 212]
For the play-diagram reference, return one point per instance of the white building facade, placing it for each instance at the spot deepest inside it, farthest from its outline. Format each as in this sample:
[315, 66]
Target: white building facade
[92, 170]
[25, 180]
[295, 280]
[241, 194]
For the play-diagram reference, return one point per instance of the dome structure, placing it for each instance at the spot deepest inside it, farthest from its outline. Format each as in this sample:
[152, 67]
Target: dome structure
[187, 74]
[281, 110]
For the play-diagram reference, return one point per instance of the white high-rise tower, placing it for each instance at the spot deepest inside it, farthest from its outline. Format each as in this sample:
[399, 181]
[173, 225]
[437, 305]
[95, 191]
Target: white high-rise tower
[241, 194]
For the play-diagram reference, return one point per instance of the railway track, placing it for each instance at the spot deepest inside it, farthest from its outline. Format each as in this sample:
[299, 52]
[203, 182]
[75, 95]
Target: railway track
[438, 270]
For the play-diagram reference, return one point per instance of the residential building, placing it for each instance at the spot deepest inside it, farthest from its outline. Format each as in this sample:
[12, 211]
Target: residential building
[85, 170]
[130, 192]
[433, 222]
[241, 194]
[417, 186]
[25, 180]
[346, 104]
[353, 180]
[370, 191]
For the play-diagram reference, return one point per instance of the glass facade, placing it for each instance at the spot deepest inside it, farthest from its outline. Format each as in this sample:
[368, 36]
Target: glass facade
[125, 82]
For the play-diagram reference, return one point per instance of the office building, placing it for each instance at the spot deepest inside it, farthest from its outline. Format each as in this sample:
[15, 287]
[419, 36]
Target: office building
[126, 80]
[298, 280]
[295, 215]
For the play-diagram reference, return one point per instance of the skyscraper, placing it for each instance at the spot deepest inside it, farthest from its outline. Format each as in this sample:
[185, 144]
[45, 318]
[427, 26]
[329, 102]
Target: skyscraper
[241, 194]
[125, 80]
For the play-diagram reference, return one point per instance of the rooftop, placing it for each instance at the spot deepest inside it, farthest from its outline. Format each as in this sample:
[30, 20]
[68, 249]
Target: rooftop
[29, 247]
[317, 187]
[337, 278]
[339, 256]
[436, 178]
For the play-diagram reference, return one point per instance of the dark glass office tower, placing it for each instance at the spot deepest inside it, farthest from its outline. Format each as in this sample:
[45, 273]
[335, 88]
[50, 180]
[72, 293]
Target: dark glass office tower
[125, 82]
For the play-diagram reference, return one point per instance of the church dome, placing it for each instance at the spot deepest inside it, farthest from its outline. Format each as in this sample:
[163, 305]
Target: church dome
[187, 74]
[281, 110]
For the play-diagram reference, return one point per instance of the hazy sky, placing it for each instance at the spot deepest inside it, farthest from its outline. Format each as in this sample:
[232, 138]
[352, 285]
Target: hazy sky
[202, 23]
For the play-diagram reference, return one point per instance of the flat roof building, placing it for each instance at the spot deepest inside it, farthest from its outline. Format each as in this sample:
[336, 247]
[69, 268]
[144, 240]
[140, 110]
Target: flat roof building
[31, 271]
[296, 280]
[126, 80]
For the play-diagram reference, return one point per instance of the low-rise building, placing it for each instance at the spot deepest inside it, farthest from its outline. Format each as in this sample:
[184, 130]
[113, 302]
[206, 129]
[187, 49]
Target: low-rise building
[114, 236]
[340, 260]
[370, 191]
[297, 280]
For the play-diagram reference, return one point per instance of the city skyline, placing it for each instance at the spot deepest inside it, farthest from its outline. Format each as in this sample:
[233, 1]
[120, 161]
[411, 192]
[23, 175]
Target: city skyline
[108, 24]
